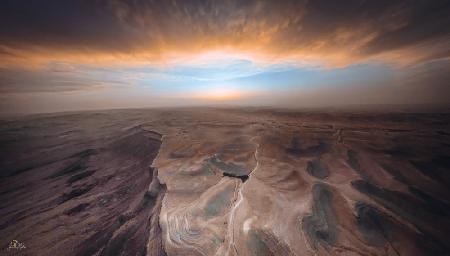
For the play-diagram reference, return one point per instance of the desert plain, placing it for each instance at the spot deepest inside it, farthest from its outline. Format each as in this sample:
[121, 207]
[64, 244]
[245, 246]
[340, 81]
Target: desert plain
[226, 181]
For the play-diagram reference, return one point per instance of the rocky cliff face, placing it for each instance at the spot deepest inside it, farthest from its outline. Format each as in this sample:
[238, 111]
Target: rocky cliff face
[226, 182]
[77, 185]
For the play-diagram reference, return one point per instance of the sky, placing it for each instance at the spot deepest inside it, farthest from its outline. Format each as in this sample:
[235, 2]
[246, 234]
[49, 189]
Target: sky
[64, 55]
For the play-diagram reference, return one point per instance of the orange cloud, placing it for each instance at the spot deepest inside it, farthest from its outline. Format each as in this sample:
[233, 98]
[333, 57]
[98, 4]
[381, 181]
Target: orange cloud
[321, 32]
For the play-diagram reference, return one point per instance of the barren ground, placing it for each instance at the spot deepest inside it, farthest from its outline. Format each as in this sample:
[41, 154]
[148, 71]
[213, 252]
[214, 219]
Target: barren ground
[205, 181]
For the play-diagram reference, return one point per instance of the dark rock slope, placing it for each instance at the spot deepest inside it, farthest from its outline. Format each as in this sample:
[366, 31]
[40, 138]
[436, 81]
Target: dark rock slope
[78, 185]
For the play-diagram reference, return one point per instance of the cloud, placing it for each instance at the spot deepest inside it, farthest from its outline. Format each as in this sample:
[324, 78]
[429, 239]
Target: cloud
[118, 53]
[56, 78]
[325, 31]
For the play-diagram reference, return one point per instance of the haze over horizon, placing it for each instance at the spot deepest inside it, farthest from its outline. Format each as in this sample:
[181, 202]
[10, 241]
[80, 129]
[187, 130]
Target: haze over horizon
[78, 55]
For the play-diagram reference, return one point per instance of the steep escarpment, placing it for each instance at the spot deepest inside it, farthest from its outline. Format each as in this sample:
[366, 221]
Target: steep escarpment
[102, 200]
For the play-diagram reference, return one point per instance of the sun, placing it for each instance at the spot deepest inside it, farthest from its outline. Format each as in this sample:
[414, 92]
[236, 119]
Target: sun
[221, 93]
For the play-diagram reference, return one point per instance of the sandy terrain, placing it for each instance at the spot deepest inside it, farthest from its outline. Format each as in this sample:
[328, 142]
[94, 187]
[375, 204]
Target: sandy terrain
[206, 181]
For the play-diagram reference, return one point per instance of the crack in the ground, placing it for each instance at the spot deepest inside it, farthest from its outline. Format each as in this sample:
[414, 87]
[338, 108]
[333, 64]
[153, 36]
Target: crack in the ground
[236, 204]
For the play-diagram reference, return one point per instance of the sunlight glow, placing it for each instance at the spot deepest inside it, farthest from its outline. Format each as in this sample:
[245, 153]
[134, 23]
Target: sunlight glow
[221, 93]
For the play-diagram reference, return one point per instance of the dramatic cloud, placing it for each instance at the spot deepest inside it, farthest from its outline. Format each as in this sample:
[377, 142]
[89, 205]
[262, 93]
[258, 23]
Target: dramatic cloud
[336, 32]
[248, 52]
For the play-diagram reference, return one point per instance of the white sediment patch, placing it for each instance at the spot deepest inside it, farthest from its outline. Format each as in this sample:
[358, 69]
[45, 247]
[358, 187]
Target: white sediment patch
[247, 224]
